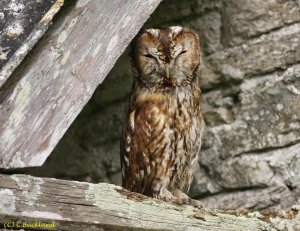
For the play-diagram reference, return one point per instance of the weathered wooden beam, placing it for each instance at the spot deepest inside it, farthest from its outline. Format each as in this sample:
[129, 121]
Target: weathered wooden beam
[49, 89]
[23, 24]
[84, 206]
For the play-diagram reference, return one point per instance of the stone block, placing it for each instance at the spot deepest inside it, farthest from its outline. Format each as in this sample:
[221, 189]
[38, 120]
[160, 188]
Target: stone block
[244, 19]
[254, 199]
[264, 54]
[208, 27]
[267, 117]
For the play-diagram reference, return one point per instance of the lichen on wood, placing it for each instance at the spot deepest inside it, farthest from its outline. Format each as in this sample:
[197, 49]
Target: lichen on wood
[23, 24]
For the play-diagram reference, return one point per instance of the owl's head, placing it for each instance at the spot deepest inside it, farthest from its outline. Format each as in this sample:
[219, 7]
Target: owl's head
[167, 57]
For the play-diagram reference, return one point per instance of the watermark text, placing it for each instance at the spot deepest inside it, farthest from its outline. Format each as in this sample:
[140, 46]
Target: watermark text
[29, 225]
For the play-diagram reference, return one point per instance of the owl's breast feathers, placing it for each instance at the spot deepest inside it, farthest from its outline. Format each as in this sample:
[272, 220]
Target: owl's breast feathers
[160, 141]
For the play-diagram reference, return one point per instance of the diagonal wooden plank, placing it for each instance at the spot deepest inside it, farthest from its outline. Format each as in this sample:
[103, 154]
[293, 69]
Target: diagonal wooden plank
[22, 25]
[71, 205]
[42, 98]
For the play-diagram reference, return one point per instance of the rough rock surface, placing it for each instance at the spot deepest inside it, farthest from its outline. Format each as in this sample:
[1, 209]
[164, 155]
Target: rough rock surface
[251, 103]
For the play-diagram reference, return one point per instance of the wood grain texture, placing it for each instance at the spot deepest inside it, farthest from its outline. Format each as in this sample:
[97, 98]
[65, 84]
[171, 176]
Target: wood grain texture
[22, 25]
[49, 89]
[87, 206]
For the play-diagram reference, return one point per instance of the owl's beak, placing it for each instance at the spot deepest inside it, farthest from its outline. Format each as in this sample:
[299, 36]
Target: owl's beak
[168, 80]
[167, 69]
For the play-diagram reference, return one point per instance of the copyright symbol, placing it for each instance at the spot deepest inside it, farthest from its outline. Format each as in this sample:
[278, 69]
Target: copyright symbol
[9, 224]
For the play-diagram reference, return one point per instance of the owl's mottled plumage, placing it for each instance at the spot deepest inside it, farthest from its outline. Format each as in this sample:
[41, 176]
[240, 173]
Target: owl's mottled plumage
[162, 133]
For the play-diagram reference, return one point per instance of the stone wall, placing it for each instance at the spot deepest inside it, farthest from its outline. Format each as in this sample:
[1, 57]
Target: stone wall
[251, 102]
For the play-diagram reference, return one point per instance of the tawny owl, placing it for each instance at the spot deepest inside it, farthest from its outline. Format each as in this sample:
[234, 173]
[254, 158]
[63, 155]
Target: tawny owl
[162, 133]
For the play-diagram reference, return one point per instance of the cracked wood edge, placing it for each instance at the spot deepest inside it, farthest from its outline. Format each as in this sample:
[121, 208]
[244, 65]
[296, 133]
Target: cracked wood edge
[86, 206]
[48, 90]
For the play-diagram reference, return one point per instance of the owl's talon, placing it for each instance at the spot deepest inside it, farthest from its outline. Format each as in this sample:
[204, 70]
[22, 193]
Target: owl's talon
[177, 201]
[196, 203]
[166, 195]
[185, 199]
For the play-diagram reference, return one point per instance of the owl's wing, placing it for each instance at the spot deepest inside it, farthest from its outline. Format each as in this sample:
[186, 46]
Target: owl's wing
[142, 148]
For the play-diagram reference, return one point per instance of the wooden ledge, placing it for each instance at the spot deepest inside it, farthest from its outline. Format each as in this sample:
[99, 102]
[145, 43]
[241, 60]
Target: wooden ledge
[72, 205]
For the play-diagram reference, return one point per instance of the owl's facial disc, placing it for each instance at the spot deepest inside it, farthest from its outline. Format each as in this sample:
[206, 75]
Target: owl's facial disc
[167, 56]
